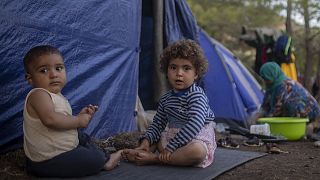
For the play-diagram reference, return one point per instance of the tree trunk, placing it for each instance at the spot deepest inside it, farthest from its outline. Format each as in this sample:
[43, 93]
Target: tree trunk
[317, 80]
[309, 63]
[159, 80]
[288, 20]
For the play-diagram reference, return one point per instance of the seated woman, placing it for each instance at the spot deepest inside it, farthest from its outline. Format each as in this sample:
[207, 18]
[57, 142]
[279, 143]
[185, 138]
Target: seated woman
[285, 97]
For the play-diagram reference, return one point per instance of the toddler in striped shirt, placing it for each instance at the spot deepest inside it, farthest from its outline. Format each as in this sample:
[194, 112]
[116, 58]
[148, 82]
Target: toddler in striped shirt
[182, 130]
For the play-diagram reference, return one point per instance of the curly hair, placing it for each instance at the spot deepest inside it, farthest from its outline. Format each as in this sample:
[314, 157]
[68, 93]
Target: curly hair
[185, 49]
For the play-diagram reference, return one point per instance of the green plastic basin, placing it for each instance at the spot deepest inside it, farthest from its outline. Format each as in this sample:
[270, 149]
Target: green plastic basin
[290, 127]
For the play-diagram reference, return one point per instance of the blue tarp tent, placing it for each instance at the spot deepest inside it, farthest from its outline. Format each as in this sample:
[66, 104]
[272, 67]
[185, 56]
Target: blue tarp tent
[233, 92]
[100, 43]
[108, 51]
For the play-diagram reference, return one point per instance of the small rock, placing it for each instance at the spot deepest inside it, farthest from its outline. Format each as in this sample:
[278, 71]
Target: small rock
[317, 144]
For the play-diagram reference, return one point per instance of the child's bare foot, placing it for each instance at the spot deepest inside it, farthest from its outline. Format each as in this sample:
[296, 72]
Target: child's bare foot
[140, 157]
[129, 154]
[113, 161]
[144, 158]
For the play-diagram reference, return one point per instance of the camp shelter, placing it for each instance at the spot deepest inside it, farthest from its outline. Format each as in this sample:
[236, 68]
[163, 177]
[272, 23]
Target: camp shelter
[110, 50]
[233, 92]
[100, 41]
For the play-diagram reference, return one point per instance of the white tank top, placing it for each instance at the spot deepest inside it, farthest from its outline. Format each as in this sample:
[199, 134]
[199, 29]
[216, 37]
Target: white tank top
[43, 143]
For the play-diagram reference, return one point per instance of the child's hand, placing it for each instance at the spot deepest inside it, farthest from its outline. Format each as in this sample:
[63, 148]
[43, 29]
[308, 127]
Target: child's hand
[165, 156]
[86, 114]
[84, 119]
[90, 109]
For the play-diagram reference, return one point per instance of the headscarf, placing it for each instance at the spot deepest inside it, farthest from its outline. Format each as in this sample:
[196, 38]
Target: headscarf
[271, 71]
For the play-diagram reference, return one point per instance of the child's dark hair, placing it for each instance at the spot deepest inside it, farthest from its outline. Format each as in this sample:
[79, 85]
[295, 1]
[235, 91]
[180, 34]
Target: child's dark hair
[185, 49]
[36, 52]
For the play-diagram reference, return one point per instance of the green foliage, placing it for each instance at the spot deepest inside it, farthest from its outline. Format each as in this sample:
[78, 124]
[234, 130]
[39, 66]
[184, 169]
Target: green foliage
[223, 20]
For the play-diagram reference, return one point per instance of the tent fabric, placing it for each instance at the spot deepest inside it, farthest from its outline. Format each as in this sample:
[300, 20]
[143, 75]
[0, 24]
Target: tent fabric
[179, 21]
[232, 91]
[101, 58]
[107, 46]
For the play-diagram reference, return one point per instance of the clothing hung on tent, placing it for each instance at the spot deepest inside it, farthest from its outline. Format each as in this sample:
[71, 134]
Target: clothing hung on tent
[289, 69]
[285, 57]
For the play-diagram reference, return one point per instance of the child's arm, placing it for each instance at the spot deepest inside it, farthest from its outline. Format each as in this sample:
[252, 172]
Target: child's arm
[40, 105]
[279, 102]
[158, 124]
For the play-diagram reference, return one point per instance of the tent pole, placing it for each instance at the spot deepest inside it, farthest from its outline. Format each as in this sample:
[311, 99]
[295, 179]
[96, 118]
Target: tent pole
[159, 80]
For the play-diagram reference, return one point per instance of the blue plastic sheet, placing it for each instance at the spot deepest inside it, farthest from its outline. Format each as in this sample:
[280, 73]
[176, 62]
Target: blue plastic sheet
[180, 23]
[106, 59]
[100, 43]
[232, 91]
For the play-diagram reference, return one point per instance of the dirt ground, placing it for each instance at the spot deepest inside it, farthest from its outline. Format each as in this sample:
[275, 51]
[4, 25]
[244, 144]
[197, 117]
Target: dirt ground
[301, 162]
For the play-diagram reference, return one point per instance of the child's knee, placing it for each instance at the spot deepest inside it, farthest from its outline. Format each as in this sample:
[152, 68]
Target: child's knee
[199, 152]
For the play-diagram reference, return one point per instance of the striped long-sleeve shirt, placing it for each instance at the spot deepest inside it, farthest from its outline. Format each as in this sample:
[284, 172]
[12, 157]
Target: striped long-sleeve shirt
[187, 110]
